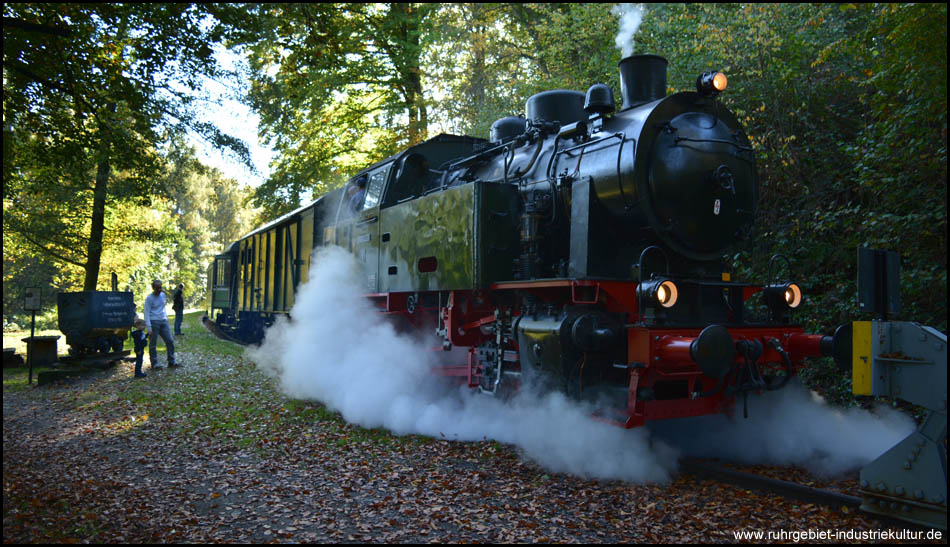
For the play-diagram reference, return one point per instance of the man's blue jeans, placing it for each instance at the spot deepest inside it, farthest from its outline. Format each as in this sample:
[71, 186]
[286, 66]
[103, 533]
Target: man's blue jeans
[178, 317]
[161, 328]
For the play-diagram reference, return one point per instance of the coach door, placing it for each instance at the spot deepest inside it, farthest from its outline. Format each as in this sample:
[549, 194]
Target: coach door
[366, 229]
[249, 273]
[221, 283]
[305, 247]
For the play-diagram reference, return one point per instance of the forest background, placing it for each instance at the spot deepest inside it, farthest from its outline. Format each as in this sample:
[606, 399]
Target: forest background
[846, 105]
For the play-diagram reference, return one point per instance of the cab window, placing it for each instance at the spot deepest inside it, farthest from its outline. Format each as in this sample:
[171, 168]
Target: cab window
[374, 188]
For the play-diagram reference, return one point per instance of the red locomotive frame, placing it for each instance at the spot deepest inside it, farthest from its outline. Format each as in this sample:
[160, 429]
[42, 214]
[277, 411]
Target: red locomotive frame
[654, 353]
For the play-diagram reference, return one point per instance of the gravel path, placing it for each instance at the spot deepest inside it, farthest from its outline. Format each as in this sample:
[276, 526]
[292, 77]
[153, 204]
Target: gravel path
[107, 458]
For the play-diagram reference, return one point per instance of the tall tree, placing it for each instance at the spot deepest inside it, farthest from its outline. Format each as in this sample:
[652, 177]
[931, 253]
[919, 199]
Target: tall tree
[491, 57]
[336, 85]
[846, 106]
[899, 154]
[210, 212]
[86, 88]
[476, 68]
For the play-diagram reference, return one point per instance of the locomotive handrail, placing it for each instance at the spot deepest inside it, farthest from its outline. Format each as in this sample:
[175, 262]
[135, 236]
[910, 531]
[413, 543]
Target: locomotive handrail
[623, 140]
[506, 147]
[368, 220]
[623, 195]
[595, 141]
[676, 140]
[530, 165]
[554, 155]
[619, 135]
[484, 154]
[768, 279]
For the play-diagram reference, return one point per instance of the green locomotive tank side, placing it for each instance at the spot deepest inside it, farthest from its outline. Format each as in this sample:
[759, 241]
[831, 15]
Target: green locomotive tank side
[462, 238]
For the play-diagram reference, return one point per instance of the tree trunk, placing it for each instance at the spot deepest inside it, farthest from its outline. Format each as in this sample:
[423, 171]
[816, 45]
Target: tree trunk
[409, 34]
[418, 117]
[477, 72]
[96, 231]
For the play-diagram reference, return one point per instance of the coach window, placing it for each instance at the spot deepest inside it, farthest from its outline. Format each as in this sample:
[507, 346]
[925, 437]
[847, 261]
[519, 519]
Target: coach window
[374, 189]
[224, 272]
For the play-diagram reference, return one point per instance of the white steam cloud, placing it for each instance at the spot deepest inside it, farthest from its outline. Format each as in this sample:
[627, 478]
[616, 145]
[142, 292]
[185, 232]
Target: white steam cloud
[631, 15]
[792, 426]
[338, 350]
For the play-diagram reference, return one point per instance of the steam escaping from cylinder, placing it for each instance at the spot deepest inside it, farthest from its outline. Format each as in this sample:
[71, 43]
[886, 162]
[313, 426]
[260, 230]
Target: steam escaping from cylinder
[791, 426]
[337, 349]
[631, 15]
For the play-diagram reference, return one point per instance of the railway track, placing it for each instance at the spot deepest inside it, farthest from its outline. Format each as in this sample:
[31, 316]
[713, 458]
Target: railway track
[706, 469]
[714, 470]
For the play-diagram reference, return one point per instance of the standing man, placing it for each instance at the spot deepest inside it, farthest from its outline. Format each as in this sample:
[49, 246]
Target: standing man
[157, 322]
[179, 306]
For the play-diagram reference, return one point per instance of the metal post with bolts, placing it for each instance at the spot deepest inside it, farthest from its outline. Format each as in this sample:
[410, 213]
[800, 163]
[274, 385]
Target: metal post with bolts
[31, 303]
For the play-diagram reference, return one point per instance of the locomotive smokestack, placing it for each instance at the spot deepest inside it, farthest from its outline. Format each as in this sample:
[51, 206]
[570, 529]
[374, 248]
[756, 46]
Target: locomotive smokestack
[642, 79]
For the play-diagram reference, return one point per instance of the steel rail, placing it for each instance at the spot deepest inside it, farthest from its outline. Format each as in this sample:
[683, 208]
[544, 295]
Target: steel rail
[718, 472]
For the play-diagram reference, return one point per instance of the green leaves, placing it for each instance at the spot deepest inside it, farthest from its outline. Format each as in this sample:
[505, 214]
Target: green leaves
[88, 91]
[337, 86]
[846, 107]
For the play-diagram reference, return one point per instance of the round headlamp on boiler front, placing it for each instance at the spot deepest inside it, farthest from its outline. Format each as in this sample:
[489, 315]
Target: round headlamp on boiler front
[661, 291]
[782, 296]
[710, 84]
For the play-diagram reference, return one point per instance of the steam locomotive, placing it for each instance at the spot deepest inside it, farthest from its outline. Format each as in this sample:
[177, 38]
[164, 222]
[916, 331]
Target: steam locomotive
[579, 248]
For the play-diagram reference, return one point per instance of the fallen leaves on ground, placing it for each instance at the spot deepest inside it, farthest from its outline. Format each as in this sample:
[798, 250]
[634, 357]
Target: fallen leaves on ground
[212, 452]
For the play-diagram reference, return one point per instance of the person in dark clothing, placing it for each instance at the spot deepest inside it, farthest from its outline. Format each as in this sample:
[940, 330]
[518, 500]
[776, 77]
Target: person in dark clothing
[179, 306]
[359, 195]
[140, 339]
